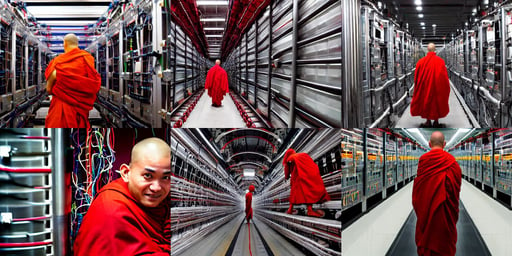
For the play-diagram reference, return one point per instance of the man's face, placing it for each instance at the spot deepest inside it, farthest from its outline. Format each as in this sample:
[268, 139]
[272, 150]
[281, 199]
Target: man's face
[149, 180]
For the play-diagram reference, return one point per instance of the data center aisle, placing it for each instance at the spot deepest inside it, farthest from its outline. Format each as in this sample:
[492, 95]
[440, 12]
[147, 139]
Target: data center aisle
[456, 118]
[484, 226]
[205, 115]
[469, 240]
[232, 239]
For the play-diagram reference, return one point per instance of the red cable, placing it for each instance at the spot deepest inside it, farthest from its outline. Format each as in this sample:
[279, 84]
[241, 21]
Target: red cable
[25, 170]
[249, 226]
[31, 219]
[36, 137]
[7, 245]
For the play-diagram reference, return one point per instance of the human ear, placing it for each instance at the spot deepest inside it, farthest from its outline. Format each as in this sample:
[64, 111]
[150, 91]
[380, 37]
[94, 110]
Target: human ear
[125, 171]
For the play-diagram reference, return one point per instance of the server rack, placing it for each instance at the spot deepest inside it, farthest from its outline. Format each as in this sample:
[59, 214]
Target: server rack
[375, 164]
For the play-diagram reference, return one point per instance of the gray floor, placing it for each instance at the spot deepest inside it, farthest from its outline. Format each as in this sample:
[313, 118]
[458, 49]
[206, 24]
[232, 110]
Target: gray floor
[469, 241]
[205, 115]
[218, 242]
[242, 242]
[456, 118]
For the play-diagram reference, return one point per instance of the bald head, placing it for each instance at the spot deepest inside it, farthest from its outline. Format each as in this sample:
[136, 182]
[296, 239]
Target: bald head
[70, 42]
[150, 148]
[217, 62]
[431, 47]
[437, 140]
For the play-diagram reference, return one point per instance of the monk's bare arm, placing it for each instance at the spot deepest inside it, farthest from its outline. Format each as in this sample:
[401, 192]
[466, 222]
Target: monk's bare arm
[51, 81]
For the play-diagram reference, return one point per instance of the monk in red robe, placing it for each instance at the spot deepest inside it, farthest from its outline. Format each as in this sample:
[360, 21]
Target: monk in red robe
[74, 82]
[431, 89]
[131, 215]
[248, 203]
[435, 198]
[217, 84]
[307, 186]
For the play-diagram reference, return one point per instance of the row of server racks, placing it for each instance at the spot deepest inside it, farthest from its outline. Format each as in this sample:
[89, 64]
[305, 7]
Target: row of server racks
[486, 163]
[375, 164]
[22, 56]
[206, 195]
[479, 64]
[286, 68]
[133, 56]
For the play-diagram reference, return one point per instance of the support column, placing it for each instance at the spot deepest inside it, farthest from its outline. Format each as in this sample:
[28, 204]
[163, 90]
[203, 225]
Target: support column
[351, 64]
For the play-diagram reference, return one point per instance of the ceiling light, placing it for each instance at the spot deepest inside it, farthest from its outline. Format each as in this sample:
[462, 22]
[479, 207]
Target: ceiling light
[434, 25]
[211, 3]
[417, 2]
[249, 172]
[213, 35]
[422, 23]
[422, 27]
[419, 8]
[474, 10]
[420, 15]
[218, 29]
[212, 19]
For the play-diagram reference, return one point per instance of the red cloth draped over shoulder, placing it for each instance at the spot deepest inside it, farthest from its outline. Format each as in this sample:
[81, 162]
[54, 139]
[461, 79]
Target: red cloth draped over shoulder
[217, 84]
[435, 198]
[307, 186]
[116, 224]
[431, 88]
[74, 91]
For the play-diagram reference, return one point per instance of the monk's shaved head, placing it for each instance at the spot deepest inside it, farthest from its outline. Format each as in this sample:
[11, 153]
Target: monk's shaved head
[437, 140]
[431, 47]
[150, 148]
[217, 61]
[71, 40]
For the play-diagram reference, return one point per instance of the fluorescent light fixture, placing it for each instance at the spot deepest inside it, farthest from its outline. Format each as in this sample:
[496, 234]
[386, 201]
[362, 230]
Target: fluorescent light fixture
[422, 23]
[214, 29]
[420, 15]
[434, 25]
[249, 172]
[417, 2]
[422, 27]
[419, 8]
[213, 19]
[211, 3]
[66, 11]
[474, 10]
[213, 35]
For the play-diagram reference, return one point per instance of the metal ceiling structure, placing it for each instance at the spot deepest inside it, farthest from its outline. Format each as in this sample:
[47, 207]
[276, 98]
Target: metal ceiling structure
[432, 20]
[249, 152]
[451, 136]
[213, 15]
[52, 20]
[216, 26]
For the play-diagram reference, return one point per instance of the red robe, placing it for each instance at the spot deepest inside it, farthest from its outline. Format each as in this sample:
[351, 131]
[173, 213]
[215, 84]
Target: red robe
[248, 206]
[435, 198]
[307, 186]
[116, 224]
[431, 88]
[74, 91]
[217, 84]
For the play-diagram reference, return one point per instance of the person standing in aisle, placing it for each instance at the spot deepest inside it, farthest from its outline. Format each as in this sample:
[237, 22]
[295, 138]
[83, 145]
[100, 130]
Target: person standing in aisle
[435, 198]
[248, 203]
[431, 89]
[74, 82]
[132, 214]
[217, 84]
[307, 186]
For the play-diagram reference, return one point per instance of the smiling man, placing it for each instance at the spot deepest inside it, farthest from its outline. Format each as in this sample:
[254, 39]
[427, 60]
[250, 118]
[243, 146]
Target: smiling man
[131, 215]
